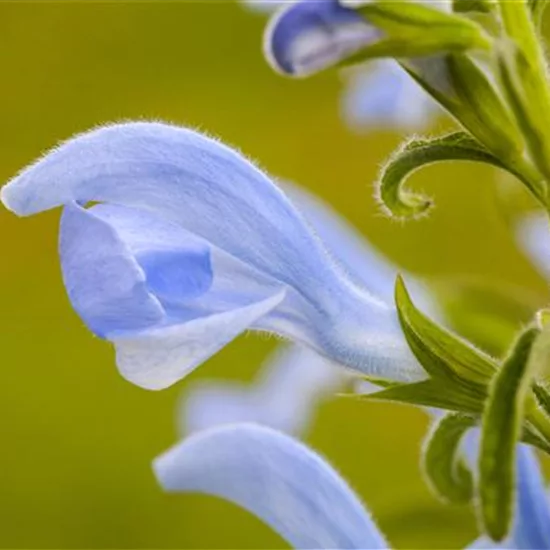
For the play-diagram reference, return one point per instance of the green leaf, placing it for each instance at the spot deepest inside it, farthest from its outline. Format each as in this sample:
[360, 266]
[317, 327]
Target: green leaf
[444, 468]
[501, 428]
[443, 355]
[415, 154]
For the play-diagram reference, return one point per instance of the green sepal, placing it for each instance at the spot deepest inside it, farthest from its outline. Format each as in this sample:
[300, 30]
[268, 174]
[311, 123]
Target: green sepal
[445, 470]
[466, 6]
[433, 393]
[531, 437]
[543, 397]
[442, 354]
[501, 429]
[417, 153]
[428, 30]
[380, 382]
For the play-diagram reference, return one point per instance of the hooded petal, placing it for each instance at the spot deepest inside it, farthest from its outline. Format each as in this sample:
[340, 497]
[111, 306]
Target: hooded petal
[284, 396]
[533, 234]
[177, 264]
[308, 36]
[385, 97]
[188, 179]
[157, 358]
[105, 284]
[277, 479]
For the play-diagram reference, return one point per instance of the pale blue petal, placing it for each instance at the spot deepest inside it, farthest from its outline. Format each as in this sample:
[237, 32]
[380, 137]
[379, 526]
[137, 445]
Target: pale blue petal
[531, 525]
[364, 265]
[284, 396]
[533, 234]
[310, 35]
[157, 358]
[105, 284]
[276, 478]
[361, 262]
[385, 96]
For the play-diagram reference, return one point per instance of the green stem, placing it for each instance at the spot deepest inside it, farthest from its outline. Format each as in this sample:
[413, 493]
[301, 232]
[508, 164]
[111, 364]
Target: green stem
[525, 79]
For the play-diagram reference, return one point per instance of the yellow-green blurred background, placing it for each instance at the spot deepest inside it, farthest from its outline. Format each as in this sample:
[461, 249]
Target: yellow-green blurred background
[76, 439]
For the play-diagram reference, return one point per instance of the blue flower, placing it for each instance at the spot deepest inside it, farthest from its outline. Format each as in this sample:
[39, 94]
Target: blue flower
[300, 496]
[189, 246]
[275, 477]
[307, 36]
[376, 95]
[295, 379]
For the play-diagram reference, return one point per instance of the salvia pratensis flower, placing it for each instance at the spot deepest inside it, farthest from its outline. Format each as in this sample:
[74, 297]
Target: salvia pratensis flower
[305, 37]
[189, 246]
[294, 379]
[376, 95]
[299, 495]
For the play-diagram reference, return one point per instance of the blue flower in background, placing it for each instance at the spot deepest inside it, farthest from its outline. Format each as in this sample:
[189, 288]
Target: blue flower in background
[533, 234]
[385, 96]
[307, 36]
[285, 395]
[301, 497]
[275, 477]
[190, 246]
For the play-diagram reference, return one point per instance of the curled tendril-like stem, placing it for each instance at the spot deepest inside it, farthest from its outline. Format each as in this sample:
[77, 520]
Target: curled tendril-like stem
[399, 202]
